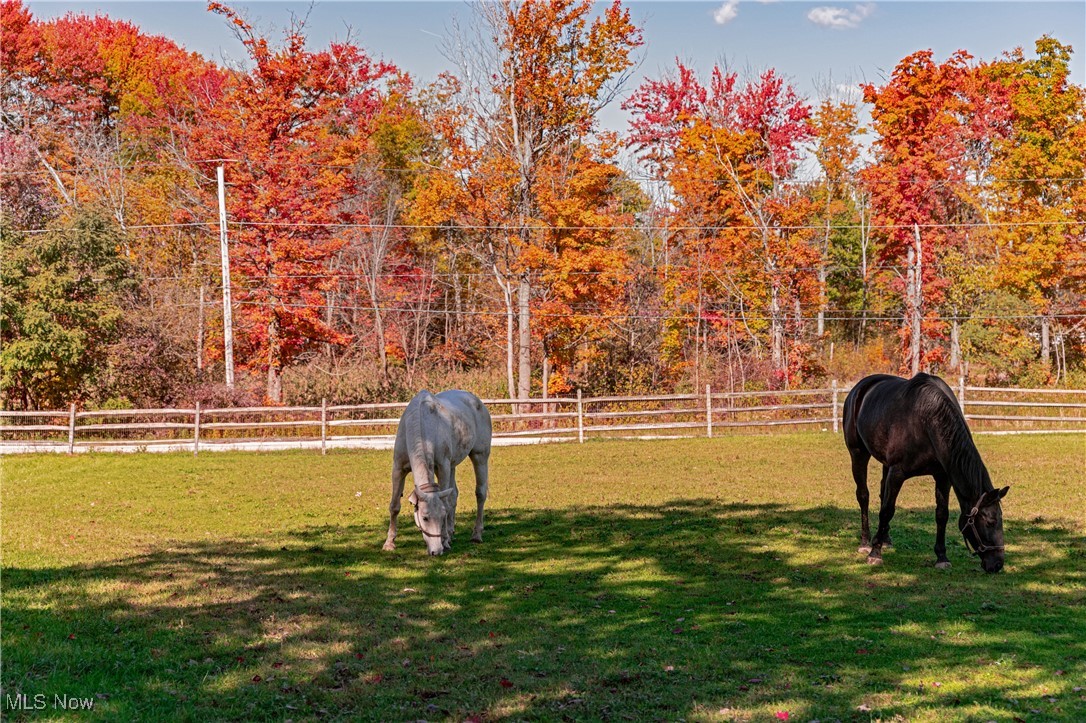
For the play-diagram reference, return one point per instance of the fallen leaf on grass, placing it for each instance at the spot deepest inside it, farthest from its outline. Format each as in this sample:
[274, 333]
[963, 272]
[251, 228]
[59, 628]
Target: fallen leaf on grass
[782, 715]
[505, 683]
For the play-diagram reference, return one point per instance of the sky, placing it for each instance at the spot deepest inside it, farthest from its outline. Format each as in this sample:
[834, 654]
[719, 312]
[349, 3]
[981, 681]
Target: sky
[815, 44]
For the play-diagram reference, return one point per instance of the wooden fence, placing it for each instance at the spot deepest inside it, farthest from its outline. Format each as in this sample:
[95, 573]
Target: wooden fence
[988, 409]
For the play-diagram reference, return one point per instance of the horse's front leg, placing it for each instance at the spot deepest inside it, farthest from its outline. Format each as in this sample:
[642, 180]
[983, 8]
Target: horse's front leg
[448, 481]
[399, 472]
[942, 514]
[480, 462]
[892, 481]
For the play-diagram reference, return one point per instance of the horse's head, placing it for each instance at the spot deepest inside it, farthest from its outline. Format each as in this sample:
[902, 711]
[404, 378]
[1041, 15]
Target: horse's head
[430, 512]
[982, 529]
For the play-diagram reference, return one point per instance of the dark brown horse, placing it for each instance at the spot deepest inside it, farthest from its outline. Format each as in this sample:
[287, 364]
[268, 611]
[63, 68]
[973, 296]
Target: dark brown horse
[915, 427]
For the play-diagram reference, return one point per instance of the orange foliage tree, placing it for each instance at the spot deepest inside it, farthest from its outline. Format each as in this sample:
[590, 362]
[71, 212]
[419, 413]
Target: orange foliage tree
[1038, 169]
[512, 147]
[729, 150]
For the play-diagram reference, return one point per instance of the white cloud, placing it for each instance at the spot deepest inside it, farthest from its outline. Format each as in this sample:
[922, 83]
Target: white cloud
[726, 12]
[840, 18]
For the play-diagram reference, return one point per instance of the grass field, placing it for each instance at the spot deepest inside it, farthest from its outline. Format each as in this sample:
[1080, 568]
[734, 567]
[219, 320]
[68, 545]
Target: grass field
[691, 579]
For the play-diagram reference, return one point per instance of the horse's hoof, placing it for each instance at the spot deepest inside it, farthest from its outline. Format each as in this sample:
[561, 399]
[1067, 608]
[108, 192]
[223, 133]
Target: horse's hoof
[389, 546]
[944, 565]
[476, 538]
[865, 549]
[874, 560]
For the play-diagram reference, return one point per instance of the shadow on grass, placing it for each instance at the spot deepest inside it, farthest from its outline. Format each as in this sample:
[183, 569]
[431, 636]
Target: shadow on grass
[686, 610]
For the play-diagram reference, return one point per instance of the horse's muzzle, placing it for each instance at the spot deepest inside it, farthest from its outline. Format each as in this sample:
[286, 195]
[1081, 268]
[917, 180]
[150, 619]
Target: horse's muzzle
[992, 565]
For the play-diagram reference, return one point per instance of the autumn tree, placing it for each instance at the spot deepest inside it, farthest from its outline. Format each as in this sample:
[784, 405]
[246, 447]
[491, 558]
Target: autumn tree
[935, 125]
[1037, 173]
[729, 150]
[83, 94]
[289, 130]
[543, 71]
[844, 244]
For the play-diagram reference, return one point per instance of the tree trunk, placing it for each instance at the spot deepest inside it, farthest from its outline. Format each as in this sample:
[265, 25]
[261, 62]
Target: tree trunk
[275, 372]
[955, 345]
[524, 358]
[1046, 341]
[822, 299]
[379, 333]
[776, 328]
[546, 382]
[507, 296]
[200, 337]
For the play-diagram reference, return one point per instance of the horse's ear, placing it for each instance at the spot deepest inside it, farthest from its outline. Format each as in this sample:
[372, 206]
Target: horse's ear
[1003, 492]
[445, 493]
[414, 498]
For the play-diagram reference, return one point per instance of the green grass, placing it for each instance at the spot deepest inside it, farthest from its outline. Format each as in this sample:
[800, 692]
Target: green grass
[697, 579]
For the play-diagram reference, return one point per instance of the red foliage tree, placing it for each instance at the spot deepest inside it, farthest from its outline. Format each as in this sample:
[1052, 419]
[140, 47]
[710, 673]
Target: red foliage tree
[288, 131]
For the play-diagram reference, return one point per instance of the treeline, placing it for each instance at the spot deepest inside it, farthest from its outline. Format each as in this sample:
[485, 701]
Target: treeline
[482, 230]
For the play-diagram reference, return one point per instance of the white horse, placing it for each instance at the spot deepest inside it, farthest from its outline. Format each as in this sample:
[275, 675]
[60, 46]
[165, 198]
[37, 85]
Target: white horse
[435, 434]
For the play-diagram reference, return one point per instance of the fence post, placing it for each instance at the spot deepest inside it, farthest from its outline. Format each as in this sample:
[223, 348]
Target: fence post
[196, 431]
[961, 392]
[580, 418]
[708, 410]
[833, 386]
[324, 425]
[71, 430]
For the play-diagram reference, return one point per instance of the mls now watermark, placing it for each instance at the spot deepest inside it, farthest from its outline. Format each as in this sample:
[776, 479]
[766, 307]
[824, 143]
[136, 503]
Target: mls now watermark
[41, 701]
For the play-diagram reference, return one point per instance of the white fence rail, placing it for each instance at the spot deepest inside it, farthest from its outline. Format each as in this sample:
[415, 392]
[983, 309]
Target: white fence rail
[988, 409]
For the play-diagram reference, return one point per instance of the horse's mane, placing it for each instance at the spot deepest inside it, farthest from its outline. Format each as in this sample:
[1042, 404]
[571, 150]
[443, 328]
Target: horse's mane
[946, 420]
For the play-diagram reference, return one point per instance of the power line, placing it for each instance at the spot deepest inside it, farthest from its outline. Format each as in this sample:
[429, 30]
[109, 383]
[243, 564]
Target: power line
[572, 275]
[633, 228]
[839, 314]
[90, 170]
[647, 227]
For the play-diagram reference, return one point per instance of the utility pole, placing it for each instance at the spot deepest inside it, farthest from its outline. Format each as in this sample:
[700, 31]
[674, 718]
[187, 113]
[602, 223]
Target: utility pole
[916, 290]
[227, 308]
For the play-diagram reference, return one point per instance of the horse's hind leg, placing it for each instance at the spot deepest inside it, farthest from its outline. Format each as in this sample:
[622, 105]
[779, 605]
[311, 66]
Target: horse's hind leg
[882, 496]
[860, 459]
[942, 514]
[480, 461]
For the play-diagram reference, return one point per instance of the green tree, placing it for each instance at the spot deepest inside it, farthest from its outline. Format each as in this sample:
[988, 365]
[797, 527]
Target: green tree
[61, 309]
